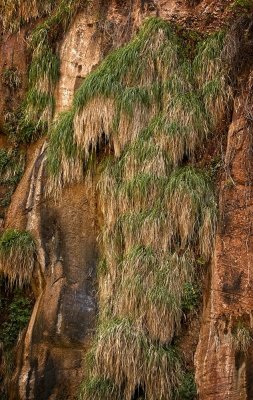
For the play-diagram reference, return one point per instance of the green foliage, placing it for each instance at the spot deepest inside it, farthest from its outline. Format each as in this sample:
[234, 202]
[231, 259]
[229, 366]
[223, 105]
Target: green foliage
[215, 165]
[19, 129]
[38, 108]
[187, 389]
[245, 5]
[191, 297]
[13, 238]
[193, 207]
[150, 107]
[15, 312]
[19, 312]
[99, 388]
[12, 163]
[126, 62]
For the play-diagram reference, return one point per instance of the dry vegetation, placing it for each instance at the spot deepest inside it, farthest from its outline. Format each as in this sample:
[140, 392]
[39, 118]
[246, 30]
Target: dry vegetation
[152, 108]
[15, 13]
[17, 252]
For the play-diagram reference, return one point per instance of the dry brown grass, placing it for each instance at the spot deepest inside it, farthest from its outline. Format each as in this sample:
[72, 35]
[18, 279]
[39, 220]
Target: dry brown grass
[150, 289]
[124, 355]
[14, 13]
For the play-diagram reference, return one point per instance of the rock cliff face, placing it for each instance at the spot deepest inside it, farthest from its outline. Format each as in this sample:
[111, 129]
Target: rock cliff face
[216, 339]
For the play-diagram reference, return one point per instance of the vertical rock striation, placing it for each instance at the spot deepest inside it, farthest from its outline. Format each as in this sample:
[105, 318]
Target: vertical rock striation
[223, 366]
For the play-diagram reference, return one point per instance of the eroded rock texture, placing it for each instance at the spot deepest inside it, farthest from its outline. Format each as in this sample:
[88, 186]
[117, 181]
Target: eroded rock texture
[222, 369]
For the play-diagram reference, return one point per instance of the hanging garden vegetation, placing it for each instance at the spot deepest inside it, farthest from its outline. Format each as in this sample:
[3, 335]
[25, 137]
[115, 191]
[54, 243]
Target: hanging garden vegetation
[152, 109]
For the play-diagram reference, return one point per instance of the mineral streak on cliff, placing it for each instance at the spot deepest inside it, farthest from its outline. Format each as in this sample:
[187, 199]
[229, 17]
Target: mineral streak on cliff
[126, 199]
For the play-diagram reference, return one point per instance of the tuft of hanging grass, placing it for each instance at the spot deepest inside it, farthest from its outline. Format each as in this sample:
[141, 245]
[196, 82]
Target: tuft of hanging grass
[148, 227]
[145, 155]
[16, 13]
[241, 338]
[98, 388]
[125, 356]
[64, 159]
[132, 194]
[124, 88]
[12, 164]
[38, 109]
[192, 208]
[17, 256]
[212, 77]
[150, 288]
[45, 66]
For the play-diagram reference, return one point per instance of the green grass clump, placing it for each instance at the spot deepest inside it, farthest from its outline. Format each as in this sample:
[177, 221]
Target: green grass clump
[12, 164]
[17, 256]
[152, 290]
[191, 296]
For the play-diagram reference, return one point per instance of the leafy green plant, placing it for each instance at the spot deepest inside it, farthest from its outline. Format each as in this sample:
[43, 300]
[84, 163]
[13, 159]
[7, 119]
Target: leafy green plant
[17, 256]
[16, 308]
